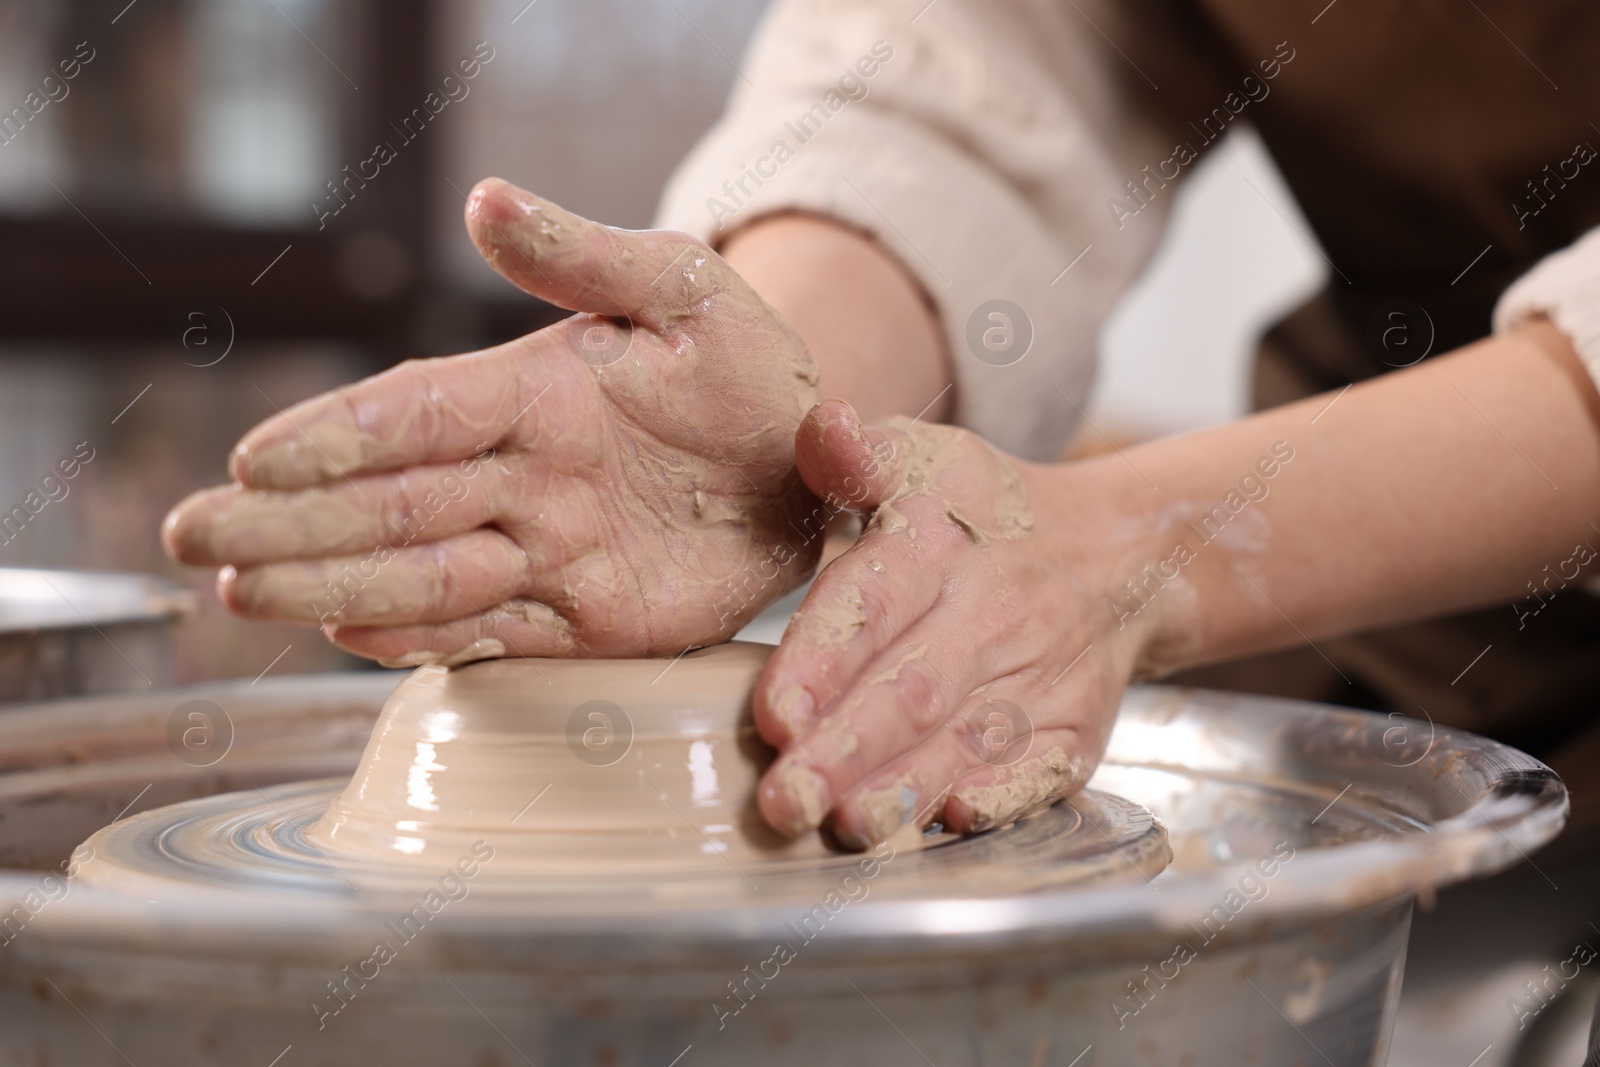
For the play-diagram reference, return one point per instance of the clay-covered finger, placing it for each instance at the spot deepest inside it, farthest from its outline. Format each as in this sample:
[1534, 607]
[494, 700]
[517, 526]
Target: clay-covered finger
[866, 598]
[910, 791]
[1059, 762]
[517, 627]
[905, 696]
[422, 583]
[248, 527]
[859, 605]
[576, 263]
[443, 410]
[846, 462]
[993, 731]
[1059, 726]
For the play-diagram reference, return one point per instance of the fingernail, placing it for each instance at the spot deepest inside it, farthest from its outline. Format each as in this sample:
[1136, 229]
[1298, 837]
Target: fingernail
[808, 796]
[957, 813]
[794, 709]
[482, 648]
[232, 591]
[169, 528]
[407, 660]
[228, 586]
[852, 840]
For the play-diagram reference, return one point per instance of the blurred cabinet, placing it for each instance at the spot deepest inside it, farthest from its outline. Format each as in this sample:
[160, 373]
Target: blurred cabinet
[218, 154]
[167, 154]
[221, 111]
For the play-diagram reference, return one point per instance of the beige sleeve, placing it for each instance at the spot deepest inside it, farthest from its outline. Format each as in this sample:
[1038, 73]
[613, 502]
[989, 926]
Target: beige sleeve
[979, 142]
[1565, 287]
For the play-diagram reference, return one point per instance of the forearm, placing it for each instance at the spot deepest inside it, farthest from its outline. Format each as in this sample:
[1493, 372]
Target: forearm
[1435, 489]
[867, 323]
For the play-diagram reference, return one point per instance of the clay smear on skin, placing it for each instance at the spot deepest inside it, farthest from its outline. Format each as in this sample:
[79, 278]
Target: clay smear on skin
[687, 509]
[326, 451]
[700, 311]
[831, 624]
[1242, 544]
[890, 673]
[886, 811]
[927, 452]
[802, 784]
[258, 517]
[806, 790]
[1029, 787]
[541, 631]
[323, 445]
[898, 814]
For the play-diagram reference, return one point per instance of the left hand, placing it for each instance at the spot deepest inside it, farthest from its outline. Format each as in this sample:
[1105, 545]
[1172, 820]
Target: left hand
[449, 509]
[960, 662]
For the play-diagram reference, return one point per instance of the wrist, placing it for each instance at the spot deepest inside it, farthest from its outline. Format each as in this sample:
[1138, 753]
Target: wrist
[1116, 551]
[873, 332]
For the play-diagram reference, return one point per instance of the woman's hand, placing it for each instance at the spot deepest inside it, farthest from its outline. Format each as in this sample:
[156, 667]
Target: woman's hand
[606, 486]
[1442, 487]
[962, 662]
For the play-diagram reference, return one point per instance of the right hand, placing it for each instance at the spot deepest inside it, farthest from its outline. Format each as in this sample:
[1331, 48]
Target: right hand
[621, 483]
[964, 660]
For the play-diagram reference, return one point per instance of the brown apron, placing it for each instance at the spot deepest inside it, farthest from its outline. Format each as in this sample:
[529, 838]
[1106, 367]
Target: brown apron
[1435, 147]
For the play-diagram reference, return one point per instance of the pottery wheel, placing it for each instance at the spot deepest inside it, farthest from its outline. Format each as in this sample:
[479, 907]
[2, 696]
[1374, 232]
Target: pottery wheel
[583, 780]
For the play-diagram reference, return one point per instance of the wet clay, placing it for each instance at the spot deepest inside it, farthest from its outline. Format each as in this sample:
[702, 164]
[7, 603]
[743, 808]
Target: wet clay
[482, 648]
[562, 763]
[573, 776]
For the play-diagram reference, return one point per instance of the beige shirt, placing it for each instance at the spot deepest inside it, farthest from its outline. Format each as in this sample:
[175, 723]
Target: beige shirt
[1010, 154]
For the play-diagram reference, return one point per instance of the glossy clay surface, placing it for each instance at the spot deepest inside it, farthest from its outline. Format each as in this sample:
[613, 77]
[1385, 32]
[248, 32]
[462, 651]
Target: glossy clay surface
[633, 777]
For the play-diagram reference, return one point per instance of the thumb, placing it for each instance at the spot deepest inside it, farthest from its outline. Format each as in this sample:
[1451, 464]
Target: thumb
[581, 265]
[845, 461]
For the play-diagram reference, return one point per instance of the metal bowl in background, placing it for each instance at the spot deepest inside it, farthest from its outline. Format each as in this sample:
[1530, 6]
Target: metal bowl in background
[82, 633]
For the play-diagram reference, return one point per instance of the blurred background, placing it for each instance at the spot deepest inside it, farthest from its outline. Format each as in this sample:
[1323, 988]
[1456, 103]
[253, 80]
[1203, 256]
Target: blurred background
[167, 279]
